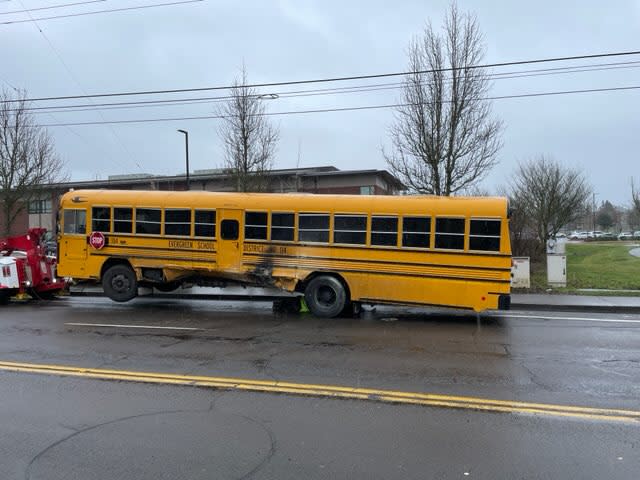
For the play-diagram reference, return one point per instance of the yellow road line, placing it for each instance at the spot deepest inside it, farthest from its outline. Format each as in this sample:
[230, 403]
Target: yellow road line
[333, 391]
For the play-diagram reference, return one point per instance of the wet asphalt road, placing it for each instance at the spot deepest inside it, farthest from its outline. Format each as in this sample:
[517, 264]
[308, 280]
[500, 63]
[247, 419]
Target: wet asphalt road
[60, 427]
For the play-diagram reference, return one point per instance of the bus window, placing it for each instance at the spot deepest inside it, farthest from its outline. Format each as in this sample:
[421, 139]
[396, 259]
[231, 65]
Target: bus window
[313, 227]
[75, 221]
[177, 222]
[282, 227]
[350, 229]
[416, 232]
[450, 233]
[229, 229]
[255, 225]
[101, 219]
[205, 223]
[384, 231]
[123, 220]
[148, 221]
[484, 235]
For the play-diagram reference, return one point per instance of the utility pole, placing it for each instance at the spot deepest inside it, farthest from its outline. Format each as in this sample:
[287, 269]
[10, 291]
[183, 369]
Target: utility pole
[186, 147]
[593, 211]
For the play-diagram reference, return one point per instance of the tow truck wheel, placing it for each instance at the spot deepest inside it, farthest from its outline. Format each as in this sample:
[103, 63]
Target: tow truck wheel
[4, 298]
[120, 284]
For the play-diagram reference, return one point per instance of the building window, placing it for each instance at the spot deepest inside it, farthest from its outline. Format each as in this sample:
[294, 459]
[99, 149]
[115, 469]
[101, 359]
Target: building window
[484, 235]
[416, 232]
[177, 222]
[313, 227]
[123, 220]
[205, 223]
[350, 229]
[384, 231]
[367, 190]
[255, 225]
[75, 221]
[282, 227]
[101, 219]
[450, 233]
[41, 205]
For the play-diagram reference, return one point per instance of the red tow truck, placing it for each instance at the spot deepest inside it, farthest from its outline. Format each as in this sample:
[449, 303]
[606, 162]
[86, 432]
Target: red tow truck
[26, 268]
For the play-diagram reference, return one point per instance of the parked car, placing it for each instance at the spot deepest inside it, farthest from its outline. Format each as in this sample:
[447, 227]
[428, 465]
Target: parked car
[578, 236]
[607, 236]
[636, 234]
[625, 236]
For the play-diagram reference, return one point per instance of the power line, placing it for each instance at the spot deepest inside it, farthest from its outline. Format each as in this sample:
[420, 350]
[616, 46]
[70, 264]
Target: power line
[52, 7]
[342, 109]
[82, 14]
[327, 91]
[74, 78]
[340, 79]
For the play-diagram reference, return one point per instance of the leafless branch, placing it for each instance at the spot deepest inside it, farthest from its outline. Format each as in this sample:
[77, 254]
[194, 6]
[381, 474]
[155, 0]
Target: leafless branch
[27, 157]
[250, 141]
[445, 139]
[547, 196]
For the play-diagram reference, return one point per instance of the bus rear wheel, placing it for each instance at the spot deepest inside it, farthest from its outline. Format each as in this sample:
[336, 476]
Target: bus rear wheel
[120, 284]
[325, 296]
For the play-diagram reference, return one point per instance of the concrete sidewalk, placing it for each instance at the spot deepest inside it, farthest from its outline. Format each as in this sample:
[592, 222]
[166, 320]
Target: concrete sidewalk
[591, 303]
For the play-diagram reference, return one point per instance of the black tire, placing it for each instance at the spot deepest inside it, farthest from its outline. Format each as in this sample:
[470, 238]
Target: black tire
[4, 298]
[120, 284]
[325, 296]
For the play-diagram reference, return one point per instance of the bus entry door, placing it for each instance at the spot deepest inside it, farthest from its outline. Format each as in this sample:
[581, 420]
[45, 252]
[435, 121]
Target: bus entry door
[74, 241]
[229, 255]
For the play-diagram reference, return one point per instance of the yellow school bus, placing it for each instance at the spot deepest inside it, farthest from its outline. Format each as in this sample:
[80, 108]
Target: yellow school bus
[336, 250]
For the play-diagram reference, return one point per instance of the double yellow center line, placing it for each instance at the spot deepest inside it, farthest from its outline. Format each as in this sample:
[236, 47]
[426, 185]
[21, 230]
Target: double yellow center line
[333, 391]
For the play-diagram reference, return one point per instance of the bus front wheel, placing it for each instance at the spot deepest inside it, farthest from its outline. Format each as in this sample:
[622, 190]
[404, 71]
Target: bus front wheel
[325, 296]
[120, 283]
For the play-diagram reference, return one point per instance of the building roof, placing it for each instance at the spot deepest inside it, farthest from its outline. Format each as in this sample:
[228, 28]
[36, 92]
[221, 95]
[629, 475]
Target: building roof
[220, 174]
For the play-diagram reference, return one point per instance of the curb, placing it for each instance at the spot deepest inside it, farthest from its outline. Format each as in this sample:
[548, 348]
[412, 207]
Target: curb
[535, 307]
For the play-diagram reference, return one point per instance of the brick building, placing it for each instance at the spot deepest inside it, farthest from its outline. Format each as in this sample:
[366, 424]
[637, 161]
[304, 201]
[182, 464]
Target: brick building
[41, 212]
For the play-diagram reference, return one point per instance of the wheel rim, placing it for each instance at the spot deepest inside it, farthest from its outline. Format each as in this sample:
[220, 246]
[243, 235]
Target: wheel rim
[326, 296]
[121, 283]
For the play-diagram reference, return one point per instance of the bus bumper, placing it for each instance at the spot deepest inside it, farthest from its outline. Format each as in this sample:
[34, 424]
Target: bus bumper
[504, 302]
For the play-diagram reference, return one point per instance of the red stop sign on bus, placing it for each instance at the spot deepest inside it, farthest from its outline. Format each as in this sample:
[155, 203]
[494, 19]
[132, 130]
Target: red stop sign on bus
[97, 240]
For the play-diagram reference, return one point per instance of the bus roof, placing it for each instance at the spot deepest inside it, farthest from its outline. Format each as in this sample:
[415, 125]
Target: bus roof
[308, 202]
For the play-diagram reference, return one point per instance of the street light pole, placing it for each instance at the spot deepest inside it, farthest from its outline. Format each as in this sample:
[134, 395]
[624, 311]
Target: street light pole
[186, 149]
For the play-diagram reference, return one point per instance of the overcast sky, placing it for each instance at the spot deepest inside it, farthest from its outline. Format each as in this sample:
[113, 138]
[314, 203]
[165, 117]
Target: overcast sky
[204, 44]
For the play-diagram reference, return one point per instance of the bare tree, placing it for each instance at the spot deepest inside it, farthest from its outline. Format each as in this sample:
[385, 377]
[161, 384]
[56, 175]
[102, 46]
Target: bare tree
[27, 157]
[548, 196]
[444, 138]
[635, 198]
[249, 139]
